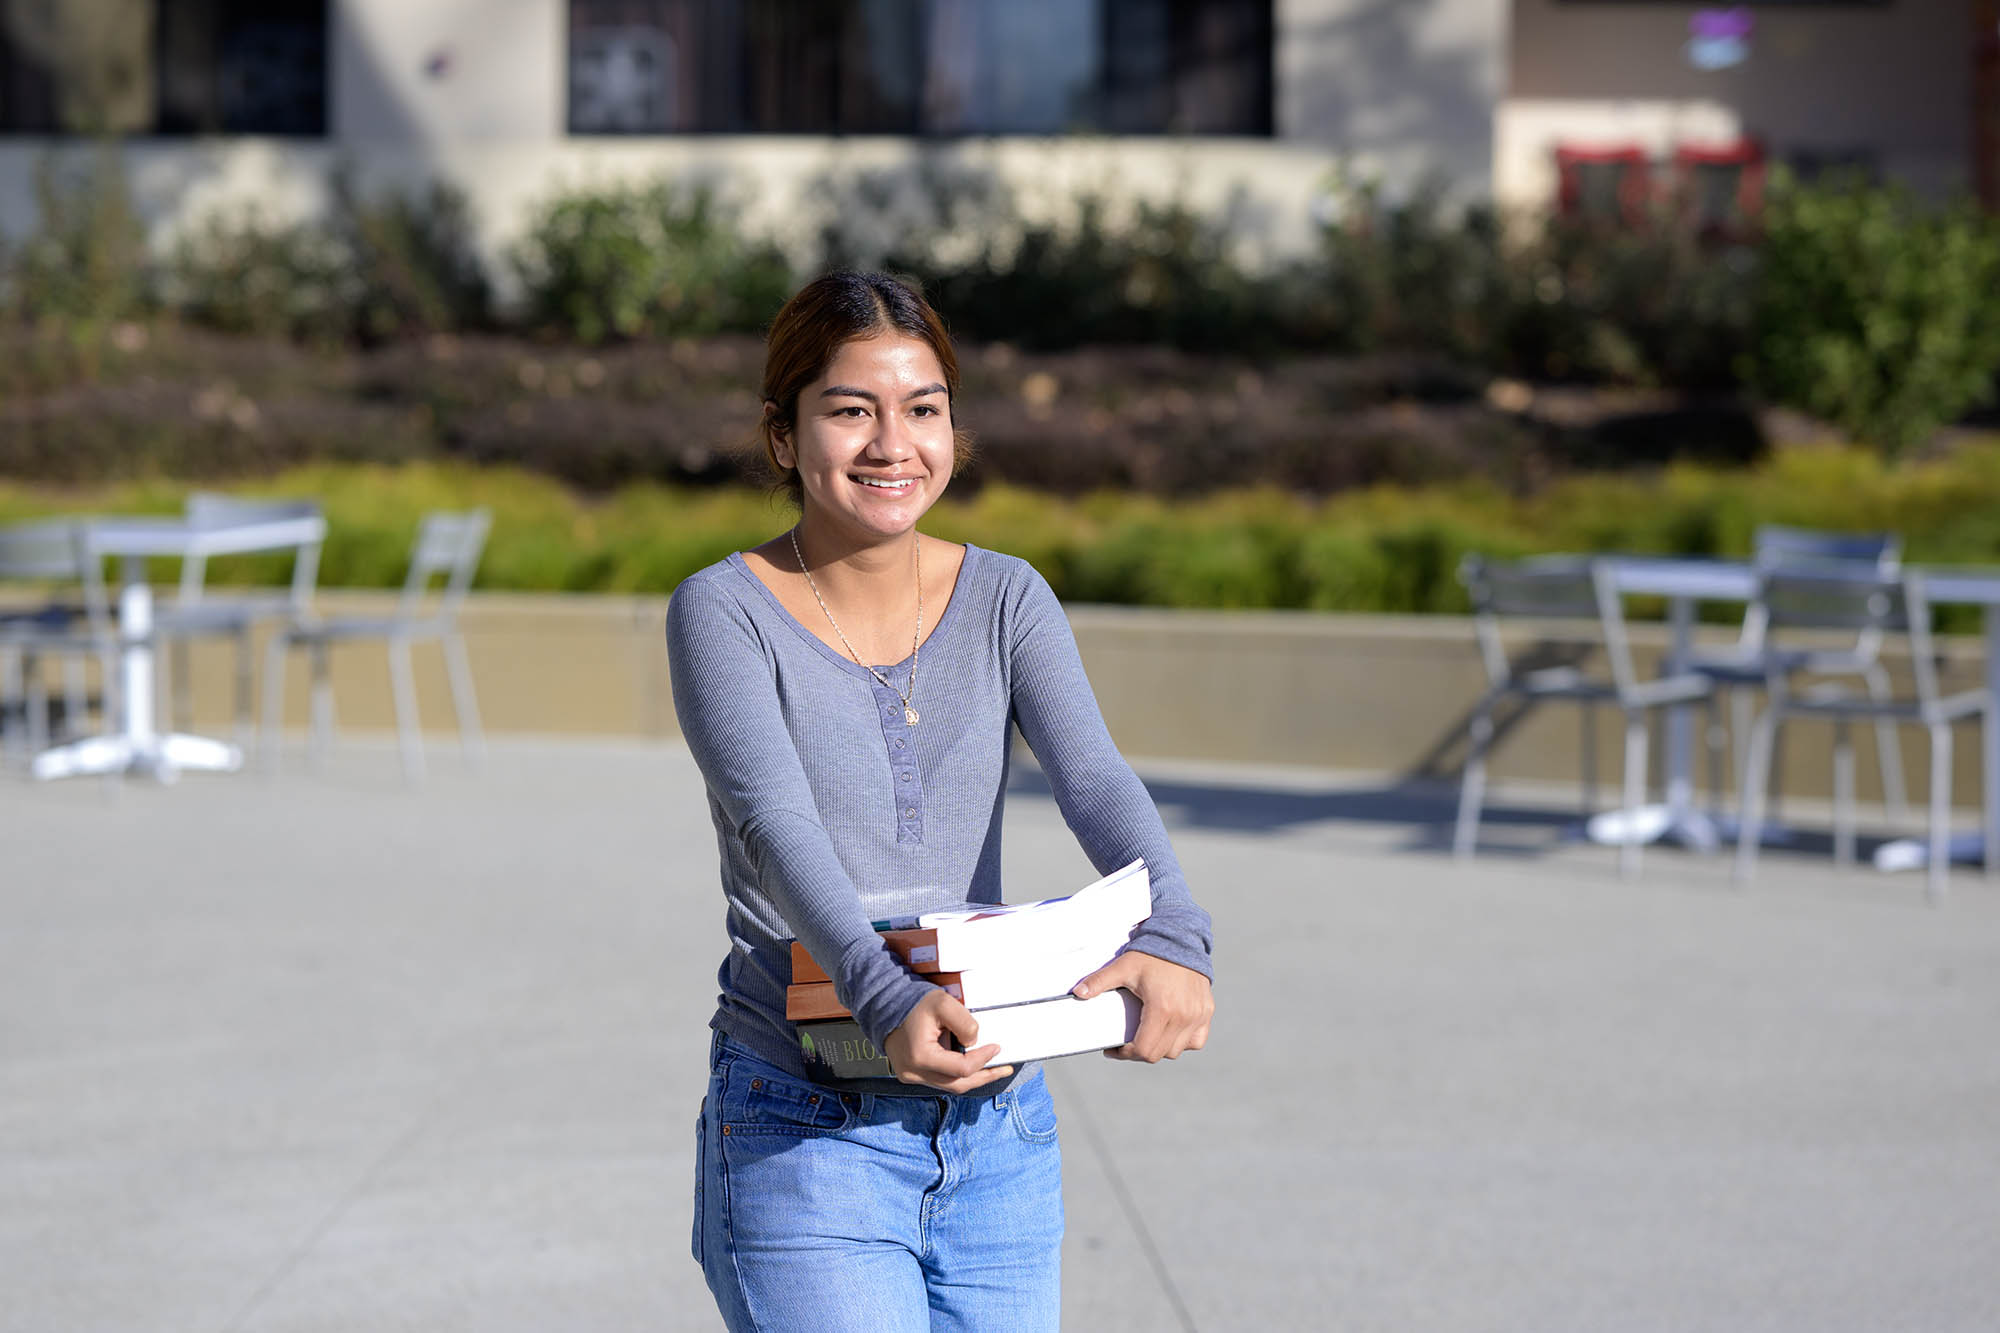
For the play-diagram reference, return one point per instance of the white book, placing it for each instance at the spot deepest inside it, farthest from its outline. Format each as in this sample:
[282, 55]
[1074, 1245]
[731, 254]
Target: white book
[1062, 1026]
[1106, 911]
[1042, 977]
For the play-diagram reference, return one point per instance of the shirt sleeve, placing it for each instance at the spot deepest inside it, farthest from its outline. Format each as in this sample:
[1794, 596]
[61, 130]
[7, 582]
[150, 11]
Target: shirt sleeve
[726, 697]
[1101, 798]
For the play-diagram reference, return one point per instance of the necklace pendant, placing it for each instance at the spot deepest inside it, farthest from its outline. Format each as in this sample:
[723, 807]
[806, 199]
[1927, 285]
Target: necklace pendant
[909, 715]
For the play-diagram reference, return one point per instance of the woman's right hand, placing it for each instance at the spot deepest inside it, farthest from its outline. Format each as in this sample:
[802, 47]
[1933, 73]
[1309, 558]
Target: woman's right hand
[920, 1050]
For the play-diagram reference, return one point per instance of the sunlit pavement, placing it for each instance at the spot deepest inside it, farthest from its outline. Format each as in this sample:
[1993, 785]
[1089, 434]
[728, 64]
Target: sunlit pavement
[321, 1051]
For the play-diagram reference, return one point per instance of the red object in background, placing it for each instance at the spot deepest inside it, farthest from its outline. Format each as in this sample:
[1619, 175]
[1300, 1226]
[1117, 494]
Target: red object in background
[1613, 181]
[1720, 188]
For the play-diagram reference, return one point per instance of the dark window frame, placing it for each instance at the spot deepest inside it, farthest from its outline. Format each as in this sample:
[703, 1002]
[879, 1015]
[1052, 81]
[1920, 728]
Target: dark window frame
[1263, 78]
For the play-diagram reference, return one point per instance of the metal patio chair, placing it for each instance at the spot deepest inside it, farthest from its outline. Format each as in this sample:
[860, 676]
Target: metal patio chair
[75, 628]
[448, 547]
[200, 612]
[1584, 594]
[1741, 668]
[1870, 603]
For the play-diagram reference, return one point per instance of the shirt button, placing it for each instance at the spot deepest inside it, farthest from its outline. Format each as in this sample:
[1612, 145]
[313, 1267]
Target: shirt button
[899, 742]
[909, 814]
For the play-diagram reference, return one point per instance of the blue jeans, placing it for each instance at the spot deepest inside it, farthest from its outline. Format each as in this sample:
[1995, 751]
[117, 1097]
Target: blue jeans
[820, 1210]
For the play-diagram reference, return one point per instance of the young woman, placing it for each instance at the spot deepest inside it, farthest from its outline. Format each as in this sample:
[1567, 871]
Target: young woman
[844, 790]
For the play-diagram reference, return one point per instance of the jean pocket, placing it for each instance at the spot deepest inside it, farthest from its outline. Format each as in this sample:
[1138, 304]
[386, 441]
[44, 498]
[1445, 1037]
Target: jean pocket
[1031, 1110]
[700, 1175]
[758, 1099]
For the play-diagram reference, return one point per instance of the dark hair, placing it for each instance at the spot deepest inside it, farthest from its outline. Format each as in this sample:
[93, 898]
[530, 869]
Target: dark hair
[825, 315]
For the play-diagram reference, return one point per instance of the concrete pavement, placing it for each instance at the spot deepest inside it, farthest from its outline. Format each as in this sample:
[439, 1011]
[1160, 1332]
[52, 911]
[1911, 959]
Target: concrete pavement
[324, 1053]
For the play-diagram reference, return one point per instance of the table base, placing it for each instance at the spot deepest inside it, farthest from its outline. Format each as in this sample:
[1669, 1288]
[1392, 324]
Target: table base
[161, 757]
[1915, 853]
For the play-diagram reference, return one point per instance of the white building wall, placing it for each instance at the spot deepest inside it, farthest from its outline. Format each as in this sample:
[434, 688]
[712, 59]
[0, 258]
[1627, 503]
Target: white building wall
[436, 72]
[1404, 92]
[473, 92]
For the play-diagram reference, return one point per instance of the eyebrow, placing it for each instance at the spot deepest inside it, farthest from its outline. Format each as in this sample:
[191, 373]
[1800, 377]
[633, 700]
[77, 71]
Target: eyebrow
[845, 391]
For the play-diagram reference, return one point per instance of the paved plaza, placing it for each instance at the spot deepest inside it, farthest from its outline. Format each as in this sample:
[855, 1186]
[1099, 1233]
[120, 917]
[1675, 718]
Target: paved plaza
[322, 1052]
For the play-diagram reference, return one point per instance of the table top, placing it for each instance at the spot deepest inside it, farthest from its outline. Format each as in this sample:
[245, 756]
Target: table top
[1736, 580]
[176, 536]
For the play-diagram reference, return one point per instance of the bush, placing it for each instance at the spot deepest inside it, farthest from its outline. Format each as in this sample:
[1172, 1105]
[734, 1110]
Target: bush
[86, 263]
[659, 260]
[1652, 306]
[417, 269]
[245, 275]
[371, 271]
[1382, 549]
[1875, 313]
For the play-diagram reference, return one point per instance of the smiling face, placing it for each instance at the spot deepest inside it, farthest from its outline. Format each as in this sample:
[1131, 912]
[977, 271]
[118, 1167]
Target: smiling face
[873, 440]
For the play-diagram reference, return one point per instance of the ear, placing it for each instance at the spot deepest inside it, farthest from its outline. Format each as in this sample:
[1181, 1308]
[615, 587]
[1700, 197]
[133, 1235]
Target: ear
[781, 438]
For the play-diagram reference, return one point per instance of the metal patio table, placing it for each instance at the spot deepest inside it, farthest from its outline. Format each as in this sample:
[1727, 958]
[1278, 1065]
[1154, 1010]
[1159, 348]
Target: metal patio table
[135, 746]
[1686, 581]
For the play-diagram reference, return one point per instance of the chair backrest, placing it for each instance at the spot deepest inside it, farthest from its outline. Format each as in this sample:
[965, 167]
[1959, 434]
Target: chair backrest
[1546, 588]
[1776, 547]
[58, 551]
[208, 509]
[447, 545]
[1846, 595]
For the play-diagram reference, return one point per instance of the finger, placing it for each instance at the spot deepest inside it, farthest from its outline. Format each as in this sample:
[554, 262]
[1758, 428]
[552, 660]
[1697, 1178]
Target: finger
[957, 1020]
[1118, 972]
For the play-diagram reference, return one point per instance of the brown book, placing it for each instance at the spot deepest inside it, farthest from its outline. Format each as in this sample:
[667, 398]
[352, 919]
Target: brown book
[811, 1001]
[917, 947]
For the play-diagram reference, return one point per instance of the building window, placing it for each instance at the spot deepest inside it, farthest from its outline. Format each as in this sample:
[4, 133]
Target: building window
[920, 66]
[242, 67]
[163, 67]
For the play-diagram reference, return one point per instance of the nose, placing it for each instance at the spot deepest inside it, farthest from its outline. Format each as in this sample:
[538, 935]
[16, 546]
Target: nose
[892, 442]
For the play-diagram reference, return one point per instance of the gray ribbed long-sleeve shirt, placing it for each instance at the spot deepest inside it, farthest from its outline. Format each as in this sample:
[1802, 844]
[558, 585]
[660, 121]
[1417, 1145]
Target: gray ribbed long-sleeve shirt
[831, 811]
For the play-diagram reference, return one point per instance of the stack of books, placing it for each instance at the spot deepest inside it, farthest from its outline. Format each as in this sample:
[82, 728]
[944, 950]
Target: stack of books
[1011, 965]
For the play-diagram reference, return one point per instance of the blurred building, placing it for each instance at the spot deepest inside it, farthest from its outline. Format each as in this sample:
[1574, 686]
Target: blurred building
[1257, 105]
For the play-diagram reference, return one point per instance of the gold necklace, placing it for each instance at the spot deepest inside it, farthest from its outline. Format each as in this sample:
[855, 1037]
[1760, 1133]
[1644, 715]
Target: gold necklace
[916, 640]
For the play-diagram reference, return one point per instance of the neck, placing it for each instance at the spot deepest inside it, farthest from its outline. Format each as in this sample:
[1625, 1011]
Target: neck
[841, 561]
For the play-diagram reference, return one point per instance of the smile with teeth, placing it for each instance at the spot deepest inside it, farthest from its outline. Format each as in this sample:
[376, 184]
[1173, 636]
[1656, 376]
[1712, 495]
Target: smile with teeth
[888, 483]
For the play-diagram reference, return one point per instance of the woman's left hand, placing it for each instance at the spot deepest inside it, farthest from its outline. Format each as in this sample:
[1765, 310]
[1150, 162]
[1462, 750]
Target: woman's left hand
[1175, 1005]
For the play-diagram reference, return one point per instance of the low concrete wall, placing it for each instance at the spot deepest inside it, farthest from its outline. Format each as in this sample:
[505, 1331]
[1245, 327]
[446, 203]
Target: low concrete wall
[1373, 693]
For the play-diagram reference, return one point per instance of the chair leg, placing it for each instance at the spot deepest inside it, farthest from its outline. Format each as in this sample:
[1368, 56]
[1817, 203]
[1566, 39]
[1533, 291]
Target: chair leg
[35, 700]
[402, 683]
[245, 686]
[1756, 777]
[12, 742]
[180, 687]
[471, 740]
[1711, 717]
[1636, 750]
[1939, 861]
[1774, 783]
[1742, 718]
[1589, 711]
[1843, 795]
[274, 698]
[322, 704]
[76, 701]
[1888, 750]
[1472, 785]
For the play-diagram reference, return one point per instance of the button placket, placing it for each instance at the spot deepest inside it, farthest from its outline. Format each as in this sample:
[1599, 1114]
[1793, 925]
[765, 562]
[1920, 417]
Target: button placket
[906, 787]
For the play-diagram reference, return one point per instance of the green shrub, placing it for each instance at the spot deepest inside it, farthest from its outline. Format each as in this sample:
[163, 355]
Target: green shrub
[373, 270]
[86, 261]
[246, 275]
[1382, 549]
[661, 260]
[1876, 313]
[416, 267]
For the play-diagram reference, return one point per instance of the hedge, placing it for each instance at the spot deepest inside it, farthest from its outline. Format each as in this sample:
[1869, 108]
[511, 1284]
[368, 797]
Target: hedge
[1377, 549]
